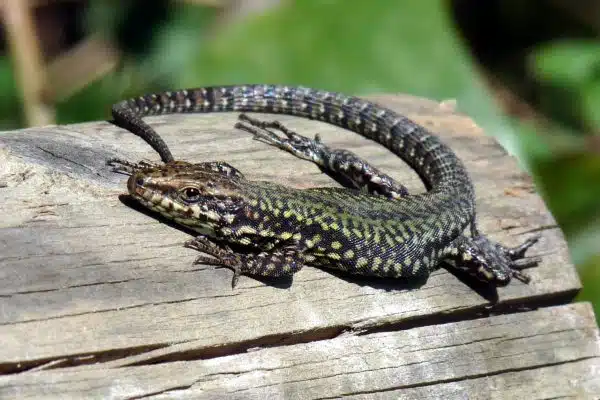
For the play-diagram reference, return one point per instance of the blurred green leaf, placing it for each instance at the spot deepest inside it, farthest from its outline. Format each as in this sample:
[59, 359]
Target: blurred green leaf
[569, 175]
[567, 170]
[177, 44]
[590, 276]
[591, 103]
[351, 46]
[569, 75]
[570, 63]
[10, 103]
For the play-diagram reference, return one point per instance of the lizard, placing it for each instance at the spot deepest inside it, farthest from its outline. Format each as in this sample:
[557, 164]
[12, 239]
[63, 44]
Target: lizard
[372, 226]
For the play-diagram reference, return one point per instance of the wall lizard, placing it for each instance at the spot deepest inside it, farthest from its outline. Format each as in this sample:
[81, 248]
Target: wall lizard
[370, 227]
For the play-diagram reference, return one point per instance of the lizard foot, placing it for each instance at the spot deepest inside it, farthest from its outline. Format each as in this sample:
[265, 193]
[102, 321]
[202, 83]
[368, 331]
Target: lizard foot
[284, 261]
[347, 168]
[294, 143]
[489, 261]
[222, 256]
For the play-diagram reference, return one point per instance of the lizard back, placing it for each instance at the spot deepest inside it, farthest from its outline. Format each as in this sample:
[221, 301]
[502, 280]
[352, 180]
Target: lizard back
[422, 225]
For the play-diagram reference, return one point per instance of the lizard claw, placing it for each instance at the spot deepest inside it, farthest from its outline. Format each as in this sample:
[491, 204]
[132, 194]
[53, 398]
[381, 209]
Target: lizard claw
[491, 262]
[221, 256]
[237, 272]
[293, 143]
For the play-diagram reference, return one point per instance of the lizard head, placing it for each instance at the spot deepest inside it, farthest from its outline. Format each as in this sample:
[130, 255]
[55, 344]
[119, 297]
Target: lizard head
[202, 196]
[489, 261]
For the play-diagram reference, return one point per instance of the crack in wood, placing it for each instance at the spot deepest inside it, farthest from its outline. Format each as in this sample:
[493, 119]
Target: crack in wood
[269, 341]
[460, 379]
[75, 360]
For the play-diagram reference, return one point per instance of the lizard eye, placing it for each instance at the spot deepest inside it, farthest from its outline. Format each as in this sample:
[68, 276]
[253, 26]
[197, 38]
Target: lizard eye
[191, 194]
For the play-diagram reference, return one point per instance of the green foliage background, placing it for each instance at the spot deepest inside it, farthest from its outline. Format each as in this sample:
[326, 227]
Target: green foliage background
[360, 47]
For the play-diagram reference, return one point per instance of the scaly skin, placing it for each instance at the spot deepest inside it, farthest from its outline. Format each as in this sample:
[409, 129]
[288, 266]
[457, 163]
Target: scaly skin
[261, 228]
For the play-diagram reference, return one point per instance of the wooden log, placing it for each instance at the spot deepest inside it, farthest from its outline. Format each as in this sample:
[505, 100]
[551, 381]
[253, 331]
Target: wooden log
[553, 352]
[86, 279]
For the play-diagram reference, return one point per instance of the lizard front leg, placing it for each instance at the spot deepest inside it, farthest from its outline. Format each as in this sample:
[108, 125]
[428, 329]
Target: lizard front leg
[284, 260]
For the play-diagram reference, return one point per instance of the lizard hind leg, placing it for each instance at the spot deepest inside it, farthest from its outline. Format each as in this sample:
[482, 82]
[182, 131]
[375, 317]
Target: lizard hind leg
[348, 169]
[489, 261]
[276, 263]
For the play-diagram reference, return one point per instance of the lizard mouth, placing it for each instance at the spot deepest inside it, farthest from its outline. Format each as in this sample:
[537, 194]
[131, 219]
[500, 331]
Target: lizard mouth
[149, 197]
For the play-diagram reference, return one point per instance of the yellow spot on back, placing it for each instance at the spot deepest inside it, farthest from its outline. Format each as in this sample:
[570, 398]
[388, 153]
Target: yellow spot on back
[268, 203]
[246, 229]
[376, 237]
[417, 266]
[286, 235]
[389, 240]
[312, 241]
[336, 245]
[349, 254]
[229, 218]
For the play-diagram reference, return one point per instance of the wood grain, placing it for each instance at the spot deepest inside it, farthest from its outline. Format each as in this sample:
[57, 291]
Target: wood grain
[550, 353]
[85, 279]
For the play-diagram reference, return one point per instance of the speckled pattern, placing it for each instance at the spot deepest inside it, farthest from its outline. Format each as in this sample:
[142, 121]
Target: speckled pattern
[372, 228]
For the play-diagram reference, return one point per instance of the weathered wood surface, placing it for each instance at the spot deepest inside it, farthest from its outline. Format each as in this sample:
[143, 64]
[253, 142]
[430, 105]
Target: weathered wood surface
[84, 279]
[554, 355]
